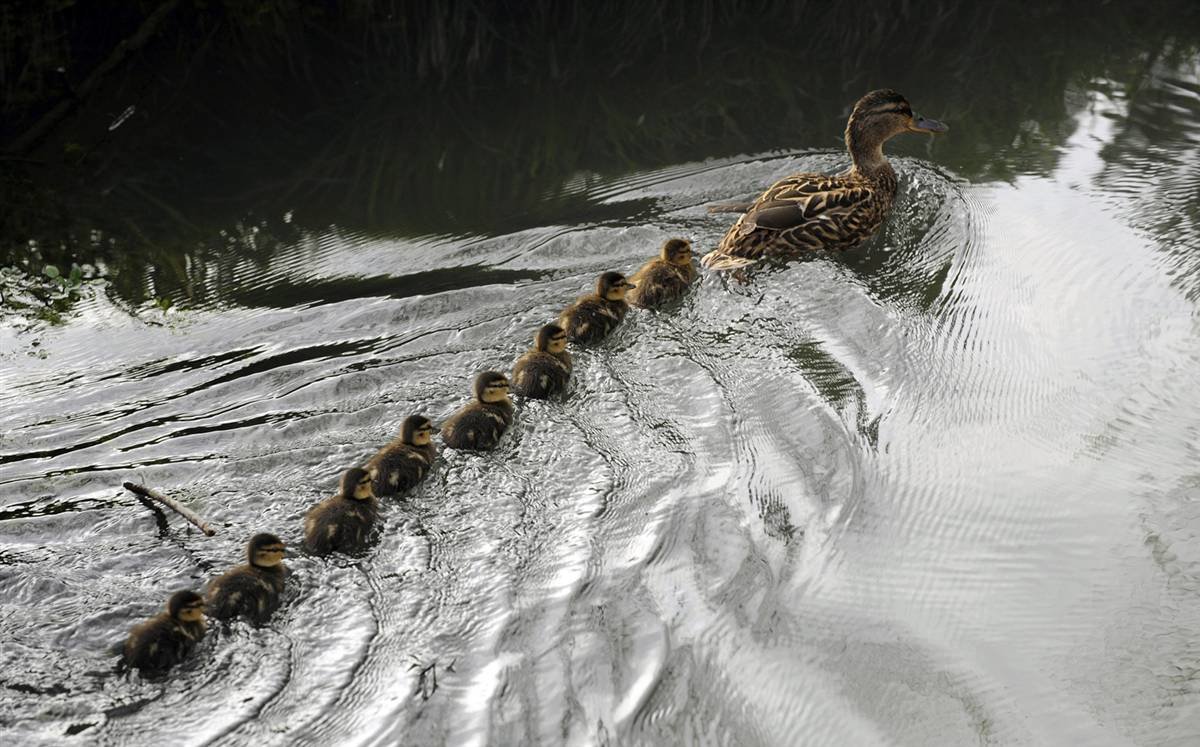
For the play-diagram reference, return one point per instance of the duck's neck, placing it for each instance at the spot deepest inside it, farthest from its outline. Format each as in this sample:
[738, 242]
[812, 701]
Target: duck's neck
[866, 151]
[868, 159]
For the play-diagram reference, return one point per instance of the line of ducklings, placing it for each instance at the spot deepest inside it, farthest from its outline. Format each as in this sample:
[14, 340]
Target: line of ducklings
[345, 523]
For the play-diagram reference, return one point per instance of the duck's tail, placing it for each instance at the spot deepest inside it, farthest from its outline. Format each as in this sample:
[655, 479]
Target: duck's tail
[716, 260]
[730, 207]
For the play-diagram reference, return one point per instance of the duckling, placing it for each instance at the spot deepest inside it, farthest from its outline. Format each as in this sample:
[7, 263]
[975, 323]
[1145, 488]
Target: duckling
[251, 590]
[166, 639]
[344, 522]
[806, 212]
[480, 424]
[665, 278]
[545, 370]
[403, 463]
[594, 316]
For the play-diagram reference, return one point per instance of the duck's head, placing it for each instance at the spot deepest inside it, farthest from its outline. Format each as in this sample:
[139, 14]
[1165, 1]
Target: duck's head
[879, 116]
[417, 430]
[613, 286]
[356, 484]
[677, 251]
[491, 386]
[265, 550]
[186, 606]
[550, 339]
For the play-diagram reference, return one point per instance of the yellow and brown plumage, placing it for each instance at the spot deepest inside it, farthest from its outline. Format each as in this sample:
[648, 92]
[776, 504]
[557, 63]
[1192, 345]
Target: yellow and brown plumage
[594, 316]
[666, 277]
[343, 523]
[546, 369]
[166, 639]
[403, 463]
[480, 424]
[251, 590]
[806, 212]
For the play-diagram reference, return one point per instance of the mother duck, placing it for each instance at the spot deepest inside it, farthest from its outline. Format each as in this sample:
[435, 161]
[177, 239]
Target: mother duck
[805, 212]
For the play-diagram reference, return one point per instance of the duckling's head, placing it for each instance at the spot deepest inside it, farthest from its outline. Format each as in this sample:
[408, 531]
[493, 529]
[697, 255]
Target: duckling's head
[550, 339]
[356, 484]
[491, 386]
[417, 430]
[186, 606]
[613, 286]
[265, 550]
[677, 251]
[879, 116]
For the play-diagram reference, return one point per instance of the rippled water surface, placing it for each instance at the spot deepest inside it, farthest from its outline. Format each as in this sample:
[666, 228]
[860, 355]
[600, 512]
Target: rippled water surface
[941, 490]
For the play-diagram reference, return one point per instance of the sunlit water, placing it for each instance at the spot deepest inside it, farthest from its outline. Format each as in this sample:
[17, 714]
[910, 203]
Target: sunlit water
[941, 490]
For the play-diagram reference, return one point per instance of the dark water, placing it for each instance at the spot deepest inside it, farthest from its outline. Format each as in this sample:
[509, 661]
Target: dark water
[941, 490]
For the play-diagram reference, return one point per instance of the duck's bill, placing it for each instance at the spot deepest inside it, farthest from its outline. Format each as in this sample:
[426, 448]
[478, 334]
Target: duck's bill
[921, 124]
[629, 286]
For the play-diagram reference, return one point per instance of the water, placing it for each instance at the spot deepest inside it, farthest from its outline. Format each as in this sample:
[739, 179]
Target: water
[941, 490]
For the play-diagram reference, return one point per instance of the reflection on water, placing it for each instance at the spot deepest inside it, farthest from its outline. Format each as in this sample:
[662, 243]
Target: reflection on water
[224, 172]
[938, 491]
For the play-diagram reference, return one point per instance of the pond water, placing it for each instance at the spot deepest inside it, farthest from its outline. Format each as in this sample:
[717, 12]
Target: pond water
[943, 489]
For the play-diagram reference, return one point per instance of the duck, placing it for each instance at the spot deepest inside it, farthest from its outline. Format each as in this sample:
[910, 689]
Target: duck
[666, 277]
[808, 212]
[592, 317]
[544, 370]
[251, 590]
[480, 424]
[403, 463]
[166, 639]
[344, 522]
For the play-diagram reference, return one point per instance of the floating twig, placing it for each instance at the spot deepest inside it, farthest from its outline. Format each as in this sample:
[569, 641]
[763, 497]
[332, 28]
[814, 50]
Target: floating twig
[172, 504]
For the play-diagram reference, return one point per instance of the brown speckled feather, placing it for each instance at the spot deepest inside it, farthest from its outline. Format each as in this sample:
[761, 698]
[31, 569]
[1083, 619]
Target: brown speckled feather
[806, 212]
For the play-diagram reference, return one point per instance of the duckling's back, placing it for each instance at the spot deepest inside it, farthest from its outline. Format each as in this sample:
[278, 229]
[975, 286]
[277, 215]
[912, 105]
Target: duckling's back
[591, 319]
[659, 282]
[339, 525]
[399, 467]
[477, 426]
[157, 645]
[246, 591]
[539, 375]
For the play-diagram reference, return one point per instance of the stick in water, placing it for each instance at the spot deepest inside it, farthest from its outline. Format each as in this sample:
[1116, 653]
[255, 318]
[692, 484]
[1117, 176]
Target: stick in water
[172, 504]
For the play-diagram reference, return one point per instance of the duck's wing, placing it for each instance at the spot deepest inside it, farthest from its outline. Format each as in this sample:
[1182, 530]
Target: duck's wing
[802, 211]
[796, 200]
